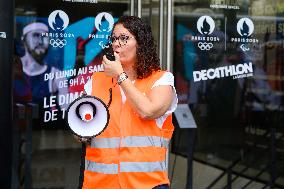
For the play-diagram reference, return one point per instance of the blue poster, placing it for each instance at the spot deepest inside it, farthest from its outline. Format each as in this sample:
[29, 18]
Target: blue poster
[54, 59]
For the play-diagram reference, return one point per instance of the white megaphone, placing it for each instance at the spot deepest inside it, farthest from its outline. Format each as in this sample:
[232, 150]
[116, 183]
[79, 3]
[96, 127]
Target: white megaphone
[87, 116]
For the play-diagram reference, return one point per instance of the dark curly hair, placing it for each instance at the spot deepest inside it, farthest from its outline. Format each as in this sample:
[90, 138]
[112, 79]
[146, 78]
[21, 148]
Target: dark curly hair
[147, 57]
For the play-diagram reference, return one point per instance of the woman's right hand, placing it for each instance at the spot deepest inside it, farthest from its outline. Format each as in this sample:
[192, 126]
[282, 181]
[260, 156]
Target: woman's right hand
[112, 68]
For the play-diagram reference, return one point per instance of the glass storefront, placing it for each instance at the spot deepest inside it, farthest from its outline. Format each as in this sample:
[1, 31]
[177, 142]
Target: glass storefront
[227, 59]
[228, 64]
[58, 47]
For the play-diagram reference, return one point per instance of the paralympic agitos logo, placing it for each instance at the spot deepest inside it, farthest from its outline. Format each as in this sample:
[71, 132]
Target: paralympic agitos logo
[245, 28]
[58, 21]
[104, 23]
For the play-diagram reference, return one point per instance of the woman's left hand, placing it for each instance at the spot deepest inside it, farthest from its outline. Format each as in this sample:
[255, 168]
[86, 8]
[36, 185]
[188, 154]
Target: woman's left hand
[112, 68]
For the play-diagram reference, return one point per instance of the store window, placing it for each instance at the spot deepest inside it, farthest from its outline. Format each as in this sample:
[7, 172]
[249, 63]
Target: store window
[228, 64]
[58, 45]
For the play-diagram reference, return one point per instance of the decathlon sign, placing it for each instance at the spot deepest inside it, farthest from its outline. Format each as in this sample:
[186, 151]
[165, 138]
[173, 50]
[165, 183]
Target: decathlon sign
[236, 71]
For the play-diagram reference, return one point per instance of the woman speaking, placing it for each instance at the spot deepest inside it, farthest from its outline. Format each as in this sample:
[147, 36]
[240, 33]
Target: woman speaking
[131, 153]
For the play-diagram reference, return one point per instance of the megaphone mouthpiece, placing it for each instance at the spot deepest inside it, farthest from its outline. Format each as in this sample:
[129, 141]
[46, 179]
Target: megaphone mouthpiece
[86, 111]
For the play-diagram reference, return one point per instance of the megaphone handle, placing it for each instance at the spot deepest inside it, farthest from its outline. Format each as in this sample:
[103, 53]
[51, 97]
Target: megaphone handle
[110, 97]
[82, 166]
[110, 94]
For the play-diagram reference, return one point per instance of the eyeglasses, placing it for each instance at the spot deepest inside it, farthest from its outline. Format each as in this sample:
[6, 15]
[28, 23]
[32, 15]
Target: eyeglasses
[122, 39]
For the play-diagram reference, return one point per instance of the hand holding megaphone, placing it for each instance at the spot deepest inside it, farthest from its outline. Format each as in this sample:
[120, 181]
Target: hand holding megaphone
[112, 68]
[82, 140]
[87, 117]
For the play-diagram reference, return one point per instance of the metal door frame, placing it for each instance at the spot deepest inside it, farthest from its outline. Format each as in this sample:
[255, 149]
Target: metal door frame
[165, 43]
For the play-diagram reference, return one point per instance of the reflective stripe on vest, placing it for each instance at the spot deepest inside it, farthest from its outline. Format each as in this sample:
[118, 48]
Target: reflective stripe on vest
[126, 167]
[142, 166]
[105, 142]
[101, 167]
[131, 141]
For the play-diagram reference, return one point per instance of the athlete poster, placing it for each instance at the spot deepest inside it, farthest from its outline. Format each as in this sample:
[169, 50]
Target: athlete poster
[55, 56]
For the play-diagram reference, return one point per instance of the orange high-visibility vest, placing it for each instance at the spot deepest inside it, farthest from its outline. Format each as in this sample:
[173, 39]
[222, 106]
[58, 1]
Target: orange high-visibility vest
[131, 152]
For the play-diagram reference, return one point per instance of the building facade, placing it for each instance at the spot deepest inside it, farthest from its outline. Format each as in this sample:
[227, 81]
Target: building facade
[227, 59]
